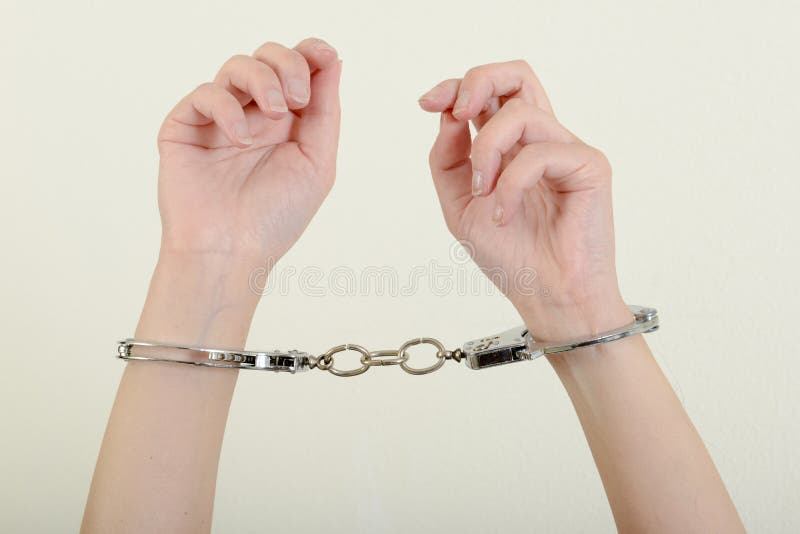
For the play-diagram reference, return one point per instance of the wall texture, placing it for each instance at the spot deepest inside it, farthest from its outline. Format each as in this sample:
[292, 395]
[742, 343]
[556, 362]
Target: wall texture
[696, 106]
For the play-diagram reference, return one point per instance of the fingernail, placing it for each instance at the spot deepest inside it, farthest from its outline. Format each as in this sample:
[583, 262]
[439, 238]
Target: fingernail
[426, 97]
[276, 101]
[477, 183]
[298, 91]
[243, 134]
[461, 102]
[325, 47]
[497, 215]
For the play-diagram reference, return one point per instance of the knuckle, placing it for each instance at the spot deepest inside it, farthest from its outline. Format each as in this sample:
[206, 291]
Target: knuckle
[266, 47]
[262, 74]
[314, 41]
[521, 64]
[297, 59]
[435, 158]
[600, 161]
[204, 88]
[474, 72]
[265, 74]
[294, 64]
[233, 61]
[432, 157]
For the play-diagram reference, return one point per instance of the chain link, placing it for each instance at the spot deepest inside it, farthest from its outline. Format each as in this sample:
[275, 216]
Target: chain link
[378, 358]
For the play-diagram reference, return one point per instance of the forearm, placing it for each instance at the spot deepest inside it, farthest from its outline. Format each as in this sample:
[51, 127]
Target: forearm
[656, 471]
[158, 462]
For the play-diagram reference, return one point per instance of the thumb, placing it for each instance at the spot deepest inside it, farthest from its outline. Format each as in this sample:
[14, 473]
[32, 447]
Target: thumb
[451, 167]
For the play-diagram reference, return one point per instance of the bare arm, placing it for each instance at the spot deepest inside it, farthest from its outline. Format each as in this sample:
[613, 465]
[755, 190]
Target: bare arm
[532, 199]
[157, 467]
[656, 471]
[246, 161]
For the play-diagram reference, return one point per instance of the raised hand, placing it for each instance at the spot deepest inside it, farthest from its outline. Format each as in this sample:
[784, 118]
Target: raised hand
[247, 159]
[529, 198]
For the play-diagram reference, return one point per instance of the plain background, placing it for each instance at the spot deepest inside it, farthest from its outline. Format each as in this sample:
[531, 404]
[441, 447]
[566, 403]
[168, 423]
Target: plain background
[695, 104]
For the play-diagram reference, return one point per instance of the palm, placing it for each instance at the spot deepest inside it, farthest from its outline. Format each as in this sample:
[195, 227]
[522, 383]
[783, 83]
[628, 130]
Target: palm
[543, 247]
[239, 175]
[532, 200]
[270, 186]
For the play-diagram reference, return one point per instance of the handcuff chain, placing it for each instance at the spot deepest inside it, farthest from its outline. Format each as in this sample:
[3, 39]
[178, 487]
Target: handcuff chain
[514, 345]
[378, 358]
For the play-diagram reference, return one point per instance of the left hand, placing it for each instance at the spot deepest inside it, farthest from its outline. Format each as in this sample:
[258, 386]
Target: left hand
[525, 194]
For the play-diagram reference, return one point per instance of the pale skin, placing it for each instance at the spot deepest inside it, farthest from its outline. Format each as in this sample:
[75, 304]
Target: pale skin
[258, 145]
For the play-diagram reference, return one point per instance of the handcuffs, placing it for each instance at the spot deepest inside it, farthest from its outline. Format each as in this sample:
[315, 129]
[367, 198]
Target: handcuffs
[514, 345]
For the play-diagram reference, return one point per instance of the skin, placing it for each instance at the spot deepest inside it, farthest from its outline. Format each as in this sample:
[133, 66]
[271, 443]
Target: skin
[257, 146]
[526, 192]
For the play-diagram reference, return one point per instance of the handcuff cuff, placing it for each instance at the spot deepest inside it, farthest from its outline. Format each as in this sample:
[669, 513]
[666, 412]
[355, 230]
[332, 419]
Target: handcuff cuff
[514, 345]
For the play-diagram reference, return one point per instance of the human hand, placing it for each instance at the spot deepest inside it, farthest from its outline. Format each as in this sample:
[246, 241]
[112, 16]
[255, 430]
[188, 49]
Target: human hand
[524, 194]
[246, 160]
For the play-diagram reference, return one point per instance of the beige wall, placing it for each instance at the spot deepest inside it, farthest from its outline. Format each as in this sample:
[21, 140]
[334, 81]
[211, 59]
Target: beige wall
[695, 104]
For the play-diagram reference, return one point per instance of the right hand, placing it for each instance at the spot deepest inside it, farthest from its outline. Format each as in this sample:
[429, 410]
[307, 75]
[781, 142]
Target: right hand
[247, 159]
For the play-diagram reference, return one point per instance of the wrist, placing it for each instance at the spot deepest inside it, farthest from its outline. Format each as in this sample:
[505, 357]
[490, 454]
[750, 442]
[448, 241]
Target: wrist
[561, 321]
[201, 299]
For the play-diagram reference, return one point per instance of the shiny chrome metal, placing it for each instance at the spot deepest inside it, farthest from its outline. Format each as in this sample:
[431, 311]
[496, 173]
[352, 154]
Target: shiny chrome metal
[384, 357]
[451, 355]
[499, 349]
[518, 344]
[645, 320]
[440, 355]
[328, 358]
[514, 345]
[291, 361]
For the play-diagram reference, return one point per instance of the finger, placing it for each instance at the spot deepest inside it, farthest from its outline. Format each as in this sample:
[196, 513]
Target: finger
[292, 70]
[247, 78]
[451, 168]
[516, 122]
[512, 79]
[318, 127]
[566, 166]
[491, 107]
[317, 53]
[210, 103]
[443, 97]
